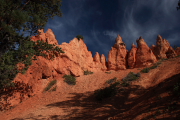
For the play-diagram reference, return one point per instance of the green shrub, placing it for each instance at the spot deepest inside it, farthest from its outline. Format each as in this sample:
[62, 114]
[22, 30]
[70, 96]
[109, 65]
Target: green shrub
[154, 66]
[131, 76]
[87, 72]
[54, 89]
[145, 70]
[125, 84]
[80, 37]
[163, 59]
[69, 79]
[50, 85]
[108, 72]
[106, 92]
[110, 81]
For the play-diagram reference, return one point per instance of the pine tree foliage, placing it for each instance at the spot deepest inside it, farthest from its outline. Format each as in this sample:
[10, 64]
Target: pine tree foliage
[18, 19]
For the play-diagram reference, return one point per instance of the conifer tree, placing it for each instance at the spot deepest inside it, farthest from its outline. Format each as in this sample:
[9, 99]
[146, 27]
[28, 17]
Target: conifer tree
[19, 20]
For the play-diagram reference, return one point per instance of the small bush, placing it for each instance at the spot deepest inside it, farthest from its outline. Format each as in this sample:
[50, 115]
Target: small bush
[50, 85]
[108, 72]
[54, 89]
[80, 37]
[107, 92]
[154, 66]
[69, 79]
[163, 59]
[145, 70]
[125, 84]
[131, 76]
[110, 81]
[87, 72]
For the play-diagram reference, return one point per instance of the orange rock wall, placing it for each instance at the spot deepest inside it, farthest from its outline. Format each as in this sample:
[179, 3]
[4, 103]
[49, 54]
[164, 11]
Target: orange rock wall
[78, 59]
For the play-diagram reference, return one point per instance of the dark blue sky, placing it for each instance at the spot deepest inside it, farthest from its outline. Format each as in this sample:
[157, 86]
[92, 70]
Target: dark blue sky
[99, 21]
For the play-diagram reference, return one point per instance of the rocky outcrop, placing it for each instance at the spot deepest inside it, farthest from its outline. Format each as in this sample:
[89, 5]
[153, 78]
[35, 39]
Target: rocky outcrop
[177, 50]
[171, 53]
[162, 49]
[48, 37]
[132, 56]
[117, 59]
[144, 55]
[97, 57]
[99, 62]
[103, 62]
[76, 59]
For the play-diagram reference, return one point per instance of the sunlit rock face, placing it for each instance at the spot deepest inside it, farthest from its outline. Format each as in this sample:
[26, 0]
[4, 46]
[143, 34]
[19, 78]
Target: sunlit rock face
[144, 55]
[162, 49]
[74, 61]
[117, 59]
[132, 56]
[48, 37]
[78, 59]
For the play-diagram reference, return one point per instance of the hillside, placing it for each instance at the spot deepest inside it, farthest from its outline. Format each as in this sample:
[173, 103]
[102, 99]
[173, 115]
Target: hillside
[136, 84]
[148, 98]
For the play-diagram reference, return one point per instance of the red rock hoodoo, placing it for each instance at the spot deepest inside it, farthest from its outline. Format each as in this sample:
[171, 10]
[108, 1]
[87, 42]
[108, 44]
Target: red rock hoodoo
[117, 59]
[144, 55]
[162, 49]
[132, 56]
[78, 59]
[177, 50]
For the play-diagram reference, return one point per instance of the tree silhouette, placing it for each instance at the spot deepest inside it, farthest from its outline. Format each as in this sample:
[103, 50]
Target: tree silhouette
[21, 19]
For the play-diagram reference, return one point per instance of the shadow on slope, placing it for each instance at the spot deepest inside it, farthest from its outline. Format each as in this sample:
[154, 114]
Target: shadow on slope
[132, 102]
[158, 102]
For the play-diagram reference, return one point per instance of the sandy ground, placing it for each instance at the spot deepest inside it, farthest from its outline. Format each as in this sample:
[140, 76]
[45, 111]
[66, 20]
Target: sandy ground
[146, 98]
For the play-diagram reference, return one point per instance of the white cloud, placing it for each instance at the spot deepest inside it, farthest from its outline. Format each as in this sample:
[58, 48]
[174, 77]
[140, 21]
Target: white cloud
[162, 19]
[56, 25]
[111, 34]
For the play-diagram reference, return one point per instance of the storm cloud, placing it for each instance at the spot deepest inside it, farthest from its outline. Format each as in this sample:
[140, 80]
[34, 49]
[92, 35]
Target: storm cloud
[100, 21]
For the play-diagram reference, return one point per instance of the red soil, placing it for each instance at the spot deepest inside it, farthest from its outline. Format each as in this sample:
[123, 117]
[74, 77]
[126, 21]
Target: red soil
[149, 97]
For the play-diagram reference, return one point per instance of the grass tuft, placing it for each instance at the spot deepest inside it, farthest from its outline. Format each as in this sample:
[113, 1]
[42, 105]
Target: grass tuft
[54, 89]
[110, 81]
[130, 77]
[108, 72]
[50, 85]
[145, 70]
[87, 72]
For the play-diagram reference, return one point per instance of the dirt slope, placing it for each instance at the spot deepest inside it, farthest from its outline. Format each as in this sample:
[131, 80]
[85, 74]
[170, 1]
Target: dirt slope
[149, 97]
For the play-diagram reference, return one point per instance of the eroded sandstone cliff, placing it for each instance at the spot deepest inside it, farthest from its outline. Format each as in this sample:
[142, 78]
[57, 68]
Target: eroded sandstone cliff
[78, 59]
